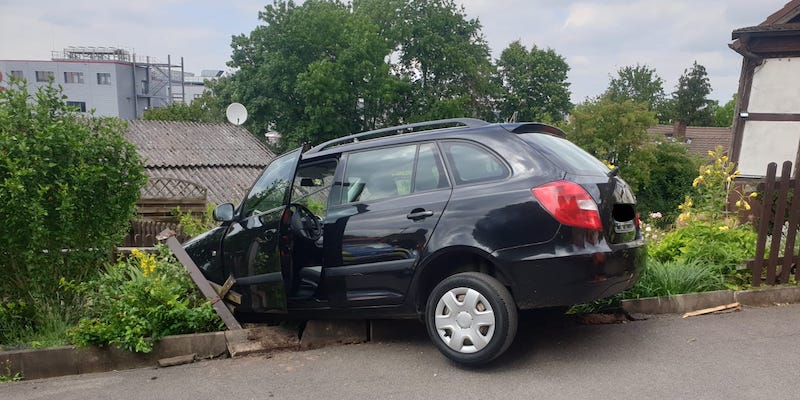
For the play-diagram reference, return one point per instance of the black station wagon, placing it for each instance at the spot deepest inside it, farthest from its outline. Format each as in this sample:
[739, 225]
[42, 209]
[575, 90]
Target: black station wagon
[461, 226]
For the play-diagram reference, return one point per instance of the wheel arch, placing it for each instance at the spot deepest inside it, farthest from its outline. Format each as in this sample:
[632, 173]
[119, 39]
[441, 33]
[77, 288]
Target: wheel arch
[450, 261]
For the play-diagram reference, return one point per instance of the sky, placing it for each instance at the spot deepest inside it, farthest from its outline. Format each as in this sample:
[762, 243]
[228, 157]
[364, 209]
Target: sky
[596, 37]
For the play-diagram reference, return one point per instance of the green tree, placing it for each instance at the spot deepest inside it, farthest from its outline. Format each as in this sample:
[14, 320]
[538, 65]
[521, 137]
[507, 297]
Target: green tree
[640, 84]
[535, 84]
[690, 103]
[723, 116]
[312, 72]
[441, 52]
[617, 134]
[203, 109]
[68, 188]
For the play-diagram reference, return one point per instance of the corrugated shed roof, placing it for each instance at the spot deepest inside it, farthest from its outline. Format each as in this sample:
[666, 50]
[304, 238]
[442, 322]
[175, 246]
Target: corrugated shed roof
[191, 144]
[699, 139]
[224, 184]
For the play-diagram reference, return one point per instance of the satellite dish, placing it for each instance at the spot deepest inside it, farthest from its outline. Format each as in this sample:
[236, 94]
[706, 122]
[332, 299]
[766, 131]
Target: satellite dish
[236, 113]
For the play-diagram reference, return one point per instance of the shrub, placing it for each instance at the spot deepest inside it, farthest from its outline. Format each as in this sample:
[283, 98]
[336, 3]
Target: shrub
[139, 300]
[670, 181]
[68, 187]
[193, 225]
[15, 320]
[719, 246]
[661, 278]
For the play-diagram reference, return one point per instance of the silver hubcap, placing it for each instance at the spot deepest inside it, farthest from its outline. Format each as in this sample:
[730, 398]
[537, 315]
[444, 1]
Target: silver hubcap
[464, 320]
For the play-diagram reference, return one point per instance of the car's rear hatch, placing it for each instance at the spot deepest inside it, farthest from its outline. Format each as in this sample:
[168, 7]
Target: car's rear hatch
[615, 200]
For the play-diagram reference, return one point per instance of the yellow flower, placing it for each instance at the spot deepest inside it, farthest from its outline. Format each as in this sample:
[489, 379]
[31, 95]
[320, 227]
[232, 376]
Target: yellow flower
[737, 173]
[747, 206]
[724, 228]
[753, 195]
[711, 153]
[739, 203]
[725, 158]
[697, 181]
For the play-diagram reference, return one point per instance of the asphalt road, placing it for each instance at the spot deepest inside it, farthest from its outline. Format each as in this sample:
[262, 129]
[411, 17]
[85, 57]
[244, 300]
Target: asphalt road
[751, 354]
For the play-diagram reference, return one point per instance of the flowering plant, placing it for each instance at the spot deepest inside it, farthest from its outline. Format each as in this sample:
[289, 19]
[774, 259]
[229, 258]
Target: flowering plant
[712, 189]
[139, 300]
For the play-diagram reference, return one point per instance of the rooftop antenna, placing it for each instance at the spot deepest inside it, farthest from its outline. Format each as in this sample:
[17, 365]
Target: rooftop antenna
[236, 113]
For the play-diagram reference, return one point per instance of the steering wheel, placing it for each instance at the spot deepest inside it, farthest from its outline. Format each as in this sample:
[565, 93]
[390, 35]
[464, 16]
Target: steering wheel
[304, 222]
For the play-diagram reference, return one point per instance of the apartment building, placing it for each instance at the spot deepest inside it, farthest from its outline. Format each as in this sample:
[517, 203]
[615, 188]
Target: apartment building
[108, 80]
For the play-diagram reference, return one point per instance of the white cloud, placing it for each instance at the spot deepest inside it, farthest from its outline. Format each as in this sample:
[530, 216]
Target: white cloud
[595, 37]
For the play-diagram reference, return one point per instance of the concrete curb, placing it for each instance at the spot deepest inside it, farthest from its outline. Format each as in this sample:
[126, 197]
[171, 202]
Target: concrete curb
[683, 303]
[70, 360]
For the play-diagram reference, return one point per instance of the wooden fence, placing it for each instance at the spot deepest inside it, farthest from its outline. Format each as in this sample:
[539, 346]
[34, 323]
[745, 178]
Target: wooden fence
[143, 233]
[780, 215]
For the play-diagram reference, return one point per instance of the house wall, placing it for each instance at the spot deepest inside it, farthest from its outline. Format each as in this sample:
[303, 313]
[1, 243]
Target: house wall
[103, 98]
[775, 90]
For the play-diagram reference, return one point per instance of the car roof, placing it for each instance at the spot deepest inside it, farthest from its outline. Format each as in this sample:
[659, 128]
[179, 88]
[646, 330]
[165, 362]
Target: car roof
[466, 128]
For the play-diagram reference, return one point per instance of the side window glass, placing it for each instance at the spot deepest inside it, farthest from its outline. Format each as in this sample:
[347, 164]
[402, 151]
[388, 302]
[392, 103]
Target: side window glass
[472, 163]
[312, 186]
[430, 172]
[378, 174]
[271, 189]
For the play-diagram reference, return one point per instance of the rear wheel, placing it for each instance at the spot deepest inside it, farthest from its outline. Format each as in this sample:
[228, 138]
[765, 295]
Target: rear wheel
[471, 318]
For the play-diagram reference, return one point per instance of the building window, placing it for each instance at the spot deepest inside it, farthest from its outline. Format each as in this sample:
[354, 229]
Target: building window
[77, 105]
[44, 76]
[73, 77]
[103, 78]
[17, 74]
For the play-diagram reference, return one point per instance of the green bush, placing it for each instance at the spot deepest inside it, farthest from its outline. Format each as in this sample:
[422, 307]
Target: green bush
[15, 320]
[194, 226]
[68, 188]
[719, 246]
[139, 300]
[670, 181]
[676, 277]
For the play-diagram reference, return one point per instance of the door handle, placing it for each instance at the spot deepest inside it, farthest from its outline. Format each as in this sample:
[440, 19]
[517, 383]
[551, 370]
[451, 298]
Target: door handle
[419, 214]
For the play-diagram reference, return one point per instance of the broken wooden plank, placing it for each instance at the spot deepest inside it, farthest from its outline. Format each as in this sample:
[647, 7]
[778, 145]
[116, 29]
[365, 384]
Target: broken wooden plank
[229, 295]
[205, 288]
[179, 360]
[712, 310]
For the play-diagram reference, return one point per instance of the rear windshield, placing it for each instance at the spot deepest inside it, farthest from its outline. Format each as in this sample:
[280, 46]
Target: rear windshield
[566, 154]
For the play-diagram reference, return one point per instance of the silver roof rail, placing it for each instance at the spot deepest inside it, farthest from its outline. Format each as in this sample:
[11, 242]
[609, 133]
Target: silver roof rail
[468, 122]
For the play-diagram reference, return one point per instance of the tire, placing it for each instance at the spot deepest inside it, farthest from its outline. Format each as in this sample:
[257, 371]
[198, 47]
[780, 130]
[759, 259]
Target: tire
[471, 318]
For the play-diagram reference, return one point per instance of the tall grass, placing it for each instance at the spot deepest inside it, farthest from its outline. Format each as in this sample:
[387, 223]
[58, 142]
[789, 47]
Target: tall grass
[663, 278]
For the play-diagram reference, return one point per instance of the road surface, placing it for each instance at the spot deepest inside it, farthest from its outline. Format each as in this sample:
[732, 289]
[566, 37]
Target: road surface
[751, 354]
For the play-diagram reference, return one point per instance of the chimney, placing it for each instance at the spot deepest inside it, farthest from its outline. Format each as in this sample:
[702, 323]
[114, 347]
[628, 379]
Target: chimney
[679, 130]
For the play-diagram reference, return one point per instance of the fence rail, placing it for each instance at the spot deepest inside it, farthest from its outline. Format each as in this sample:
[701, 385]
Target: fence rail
[143, 233]
[778, 199]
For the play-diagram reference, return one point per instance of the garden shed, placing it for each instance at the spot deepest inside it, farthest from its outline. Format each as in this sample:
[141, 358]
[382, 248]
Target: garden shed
[191, 164]
[767, 124]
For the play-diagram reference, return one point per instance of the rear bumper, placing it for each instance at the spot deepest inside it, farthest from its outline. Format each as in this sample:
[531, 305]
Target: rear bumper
[582, 276]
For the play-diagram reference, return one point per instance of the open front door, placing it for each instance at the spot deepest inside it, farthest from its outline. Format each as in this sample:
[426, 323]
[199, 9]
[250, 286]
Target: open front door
[252, 246]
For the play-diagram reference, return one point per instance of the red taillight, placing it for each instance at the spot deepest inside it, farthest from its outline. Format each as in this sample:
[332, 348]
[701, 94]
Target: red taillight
[570, 204]
[638, 220]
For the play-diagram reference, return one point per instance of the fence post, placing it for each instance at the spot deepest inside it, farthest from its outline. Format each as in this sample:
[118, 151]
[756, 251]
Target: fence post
[763, 226]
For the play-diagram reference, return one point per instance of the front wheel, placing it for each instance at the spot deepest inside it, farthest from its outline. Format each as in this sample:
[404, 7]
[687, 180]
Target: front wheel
[471, 318]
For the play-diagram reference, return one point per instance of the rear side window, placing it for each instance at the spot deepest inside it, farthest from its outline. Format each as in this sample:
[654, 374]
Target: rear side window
[472, 163]
[566, 154]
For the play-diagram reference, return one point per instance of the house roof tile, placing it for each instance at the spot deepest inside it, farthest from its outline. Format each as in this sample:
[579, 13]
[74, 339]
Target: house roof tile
[699, 139]
[190, 144]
